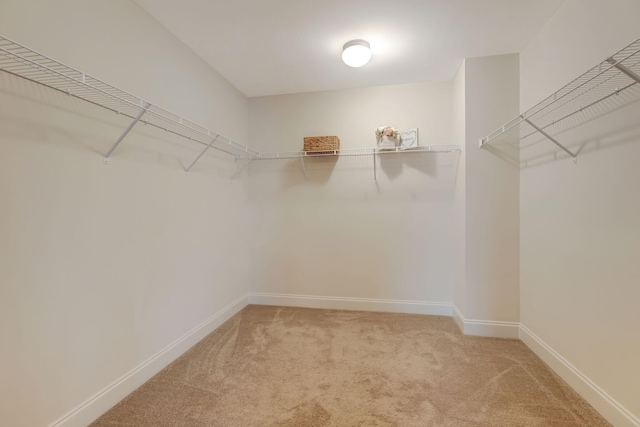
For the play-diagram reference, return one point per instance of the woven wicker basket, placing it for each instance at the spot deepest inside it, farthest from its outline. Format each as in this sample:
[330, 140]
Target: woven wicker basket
[321, 144]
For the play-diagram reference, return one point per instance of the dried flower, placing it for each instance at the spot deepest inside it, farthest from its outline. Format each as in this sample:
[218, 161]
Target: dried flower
[386, 131]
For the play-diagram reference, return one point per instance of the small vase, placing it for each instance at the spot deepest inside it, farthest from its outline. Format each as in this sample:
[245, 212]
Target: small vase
[386, 142]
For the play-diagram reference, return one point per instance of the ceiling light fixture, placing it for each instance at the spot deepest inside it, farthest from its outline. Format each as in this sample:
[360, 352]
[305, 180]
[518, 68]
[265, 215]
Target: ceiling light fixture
[356, 53]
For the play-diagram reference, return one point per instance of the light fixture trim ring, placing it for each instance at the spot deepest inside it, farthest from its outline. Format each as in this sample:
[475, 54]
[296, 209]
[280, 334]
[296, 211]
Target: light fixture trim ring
[357, 42]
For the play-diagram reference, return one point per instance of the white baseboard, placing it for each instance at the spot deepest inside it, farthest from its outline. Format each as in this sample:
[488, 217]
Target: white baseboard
[486, 328]
[97, 405]
[360, 304]
[458, 317]
[608, 407]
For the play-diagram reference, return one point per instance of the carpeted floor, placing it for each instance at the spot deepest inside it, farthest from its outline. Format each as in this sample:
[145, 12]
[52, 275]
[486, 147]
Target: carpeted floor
[278, 366]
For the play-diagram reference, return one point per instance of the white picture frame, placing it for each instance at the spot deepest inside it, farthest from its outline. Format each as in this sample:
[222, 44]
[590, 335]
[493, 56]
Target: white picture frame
[408, 139]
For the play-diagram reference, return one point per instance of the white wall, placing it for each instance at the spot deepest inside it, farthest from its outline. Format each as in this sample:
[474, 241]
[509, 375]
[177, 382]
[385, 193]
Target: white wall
[102, 267]
[492, 220]
[459, 211]
[580, 238]
[341, 234]
[486, 208]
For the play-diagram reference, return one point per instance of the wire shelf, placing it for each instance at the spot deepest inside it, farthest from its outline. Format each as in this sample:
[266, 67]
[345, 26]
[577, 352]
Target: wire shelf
[603, 88]
[372, 152]
[28, 64]
[23, 62]
[358, 152]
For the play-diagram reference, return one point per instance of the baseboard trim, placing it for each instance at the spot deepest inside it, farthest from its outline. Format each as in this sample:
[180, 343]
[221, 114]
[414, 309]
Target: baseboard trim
[486, 328]
[458, 317]
[607, 406]
[94, 407]
[361, 304]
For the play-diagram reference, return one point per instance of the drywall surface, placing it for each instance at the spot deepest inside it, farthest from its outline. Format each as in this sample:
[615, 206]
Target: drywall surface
[580, 238]
[459, 112]
[341, 234]
[102, 267]
[491, 192]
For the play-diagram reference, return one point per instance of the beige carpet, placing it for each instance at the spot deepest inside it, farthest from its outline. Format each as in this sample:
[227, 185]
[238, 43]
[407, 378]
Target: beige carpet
[277, 366]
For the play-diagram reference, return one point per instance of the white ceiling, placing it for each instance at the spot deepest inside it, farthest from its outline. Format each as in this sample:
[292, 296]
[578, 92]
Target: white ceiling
[268, 47]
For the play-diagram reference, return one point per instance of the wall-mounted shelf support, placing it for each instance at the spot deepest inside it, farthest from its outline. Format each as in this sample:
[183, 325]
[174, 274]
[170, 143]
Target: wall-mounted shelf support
[624, 69]
[23, 62]
[550, 138]
[240, 169]
[304, 169]
[283, 155]
[145, 108]
[344, 152]
[605, 88]
[375, 178]
[201, 154]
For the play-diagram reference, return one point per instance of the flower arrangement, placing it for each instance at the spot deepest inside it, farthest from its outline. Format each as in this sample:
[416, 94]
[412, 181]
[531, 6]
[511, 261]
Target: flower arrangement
[386, 131]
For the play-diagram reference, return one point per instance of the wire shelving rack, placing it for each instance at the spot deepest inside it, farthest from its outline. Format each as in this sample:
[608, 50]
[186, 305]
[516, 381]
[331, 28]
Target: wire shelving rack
[590, 94]
[373, 152]
[26, 63]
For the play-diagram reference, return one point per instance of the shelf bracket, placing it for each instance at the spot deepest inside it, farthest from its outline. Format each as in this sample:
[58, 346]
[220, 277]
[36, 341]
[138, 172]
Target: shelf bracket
[240, 169]
[550, 138]
[201, 154]
[145, 107]
[375, 178]
[304, 168]
[624, 69]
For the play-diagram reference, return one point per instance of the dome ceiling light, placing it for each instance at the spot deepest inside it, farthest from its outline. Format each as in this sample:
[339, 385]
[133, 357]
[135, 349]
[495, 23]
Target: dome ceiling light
[356, 53]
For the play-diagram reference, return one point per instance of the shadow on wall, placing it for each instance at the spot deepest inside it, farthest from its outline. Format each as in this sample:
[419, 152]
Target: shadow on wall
[57, 118]
[293, 173]
[319, 170]
[42, 101]
[393, 164]
[607, 124]
[419, 177]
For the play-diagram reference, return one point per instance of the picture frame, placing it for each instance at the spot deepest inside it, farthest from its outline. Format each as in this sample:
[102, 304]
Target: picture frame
[408, 139]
